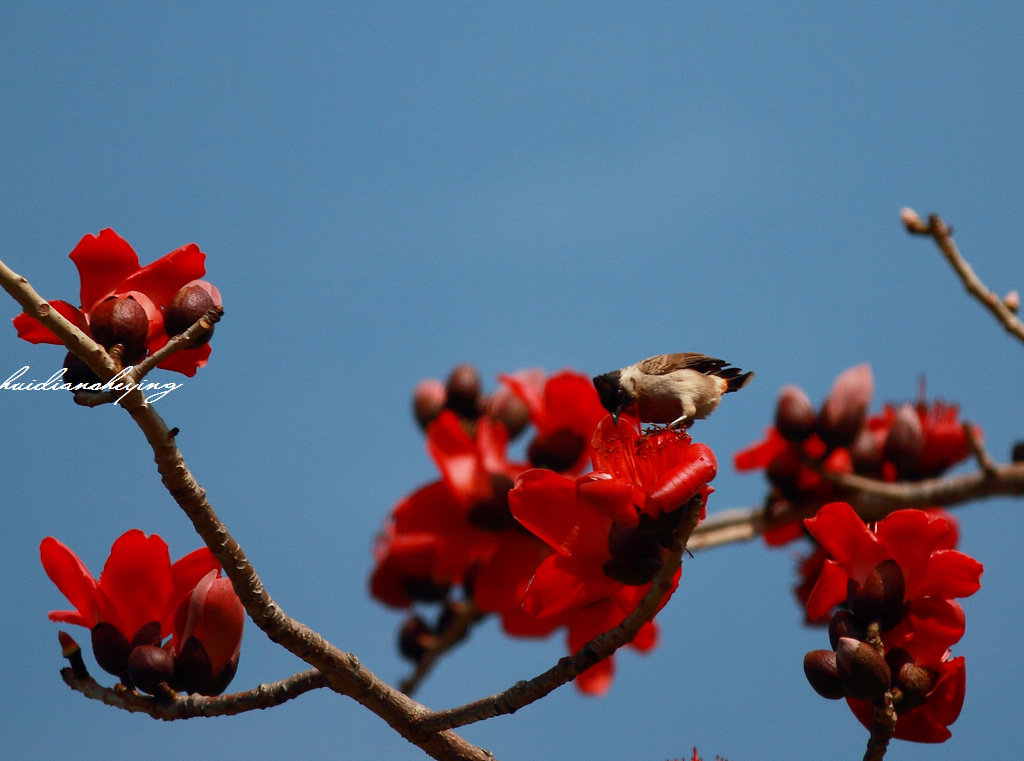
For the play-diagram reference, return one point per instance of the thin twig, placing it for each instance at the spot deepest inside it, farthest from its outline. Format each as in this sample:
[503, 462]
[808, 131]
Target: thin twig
[942, 234]
[451, 636]
[193, 706]
[985, 461]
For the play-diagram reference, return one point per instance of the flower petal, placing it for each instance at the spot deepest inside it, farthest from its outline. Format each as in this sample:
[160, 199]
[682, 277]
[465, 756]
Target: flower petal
[137, 581]
[31, 330]
[162, 279]
[103, 261]
[73, 580]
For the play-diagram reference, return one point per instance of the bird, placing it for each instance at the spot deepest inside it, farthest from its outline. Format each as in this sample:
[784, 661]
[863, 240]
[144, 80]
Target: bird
[672, 389]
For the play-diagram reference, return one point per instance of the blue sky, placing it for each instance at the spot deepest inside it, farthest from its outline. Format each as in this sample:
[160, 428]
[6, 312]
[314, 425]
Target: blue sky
[384, 191]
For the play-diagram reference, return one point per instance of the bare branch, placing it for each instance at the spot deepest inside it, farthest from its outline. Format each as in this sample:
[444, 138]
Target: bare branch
[173, 706]
[342, 671]
[451, 636]
[943, 237]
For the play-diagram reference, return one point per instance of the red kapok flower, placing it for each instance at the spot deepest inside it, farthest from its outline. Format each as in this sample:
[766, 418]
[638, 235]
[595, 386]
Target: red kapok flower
[605, 526]
[565, 410]
[109, 268]
[133, 601]
[208, 636]
[918, 541]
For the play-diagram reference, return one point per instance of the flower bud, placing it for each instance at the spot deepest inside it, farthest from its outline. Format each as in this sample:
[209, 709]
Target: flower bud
[822, 672]
[845, 624]
[121, 320]
[866, 453]
[846, 407]
[783, 472]
[188, 305]
[795, 416]
[427, 401]
[915, 682]
[111, 648]
[636, 556]
[558, 451]
[415, 639]
[862, 669]
[905, 443]
[1017, 455]
[1012, 301]
[493, 514]
[149, 667]
[76, 371]
[912, 221]
[880, 597]
[509, 410]
[463, 391]
[208, 626]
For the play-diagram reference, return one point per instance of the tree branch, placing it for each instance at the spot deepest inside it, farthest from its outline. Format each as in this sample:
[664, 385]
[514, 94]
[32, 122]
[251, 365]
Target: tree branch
[942, 234]
[343, 671]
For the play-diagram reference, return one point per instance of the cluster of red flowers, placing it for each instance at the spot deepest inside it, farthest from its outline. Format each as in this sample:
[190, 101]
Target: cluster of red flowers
[536, 543]
[139, 600]
[886, 591]
[138, 308]
[910, 442]
[899, 579]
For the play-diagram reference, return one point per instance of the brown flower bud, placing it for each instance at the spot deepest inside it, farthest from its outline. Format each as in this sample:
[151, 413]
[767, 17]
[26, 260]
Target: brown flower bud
[905, 443]
[110, 648]
[415, 639]
[845, 624]
[795, 416]
[636, 556]
[880, 597]
[783, 472]
[558, 451]
[510, 410]
[862, 669]
[427, 401]
[846, 407]
[915, 682]
[822, 672]
[866, 453]
[463, 391]
[121, 320]
[1017, 455]
[493, 514]
[76, 371]
[194, 673]
[149, 667]
[187, 306]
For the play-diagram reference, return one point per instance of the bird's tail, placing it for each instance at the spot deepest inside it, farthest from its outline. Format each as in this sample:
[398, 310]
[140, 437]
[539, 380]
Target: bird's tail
[739, 380]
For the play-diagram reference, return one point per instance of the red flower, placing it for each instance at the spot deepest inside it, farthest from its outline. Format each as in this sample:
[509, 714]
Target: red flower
[108, 267]
[603, 525]
[904, 574]
[918, 541]
[134, 600]
[459, 531]
[565, 410]
[208, 636]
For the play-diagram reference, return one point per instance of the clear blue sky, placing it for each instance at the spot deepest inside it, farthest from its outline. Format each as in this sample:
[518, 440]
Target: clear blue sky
[384, 190]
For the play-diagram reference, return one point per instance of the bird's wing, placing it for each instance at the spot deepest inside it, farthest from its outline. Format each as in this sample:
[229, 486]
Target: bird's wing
[668, 363]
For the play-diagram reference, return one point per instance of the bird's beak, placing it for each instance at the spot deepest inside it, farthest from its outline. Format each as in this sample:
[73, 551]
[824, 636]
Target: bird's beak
[615, 416]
